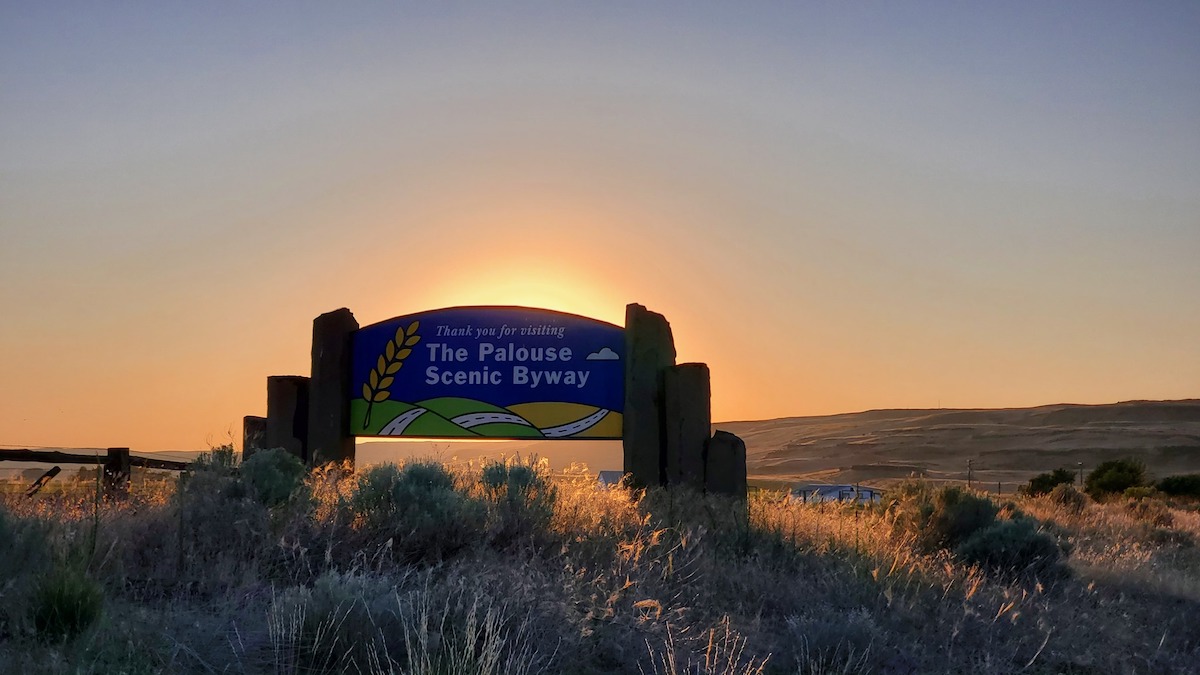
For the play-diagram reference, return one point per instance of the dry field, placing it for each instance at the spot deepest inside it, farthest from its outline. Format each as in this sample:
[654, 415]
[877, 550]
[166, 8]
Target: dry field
[1004, 446]
[502, 570]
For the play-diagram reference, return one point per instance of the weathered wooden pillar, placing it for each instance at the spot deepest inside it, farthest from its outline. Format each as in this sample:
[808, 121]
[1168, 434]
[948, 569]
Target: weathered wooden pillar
[687, 424]
[287, 414]
[649, 351]
[329, 438]
[725, 468]
[254, 435]
[117, 473]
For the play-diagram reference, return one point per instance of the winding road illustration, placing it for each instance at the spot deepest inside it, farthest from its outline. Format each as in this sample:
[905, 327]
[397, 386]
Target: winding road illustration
[397, 426]
[576, 426]
[469, 420]
[475, 419]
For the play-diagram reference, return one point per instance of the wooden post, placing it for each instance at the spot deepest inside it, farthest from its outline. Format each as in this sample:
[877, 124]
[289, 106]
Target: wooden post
[117, 473]
[329, 438]
[725, 470]
[687, 423]
[287, 414]
[254, 435]
[649, 351]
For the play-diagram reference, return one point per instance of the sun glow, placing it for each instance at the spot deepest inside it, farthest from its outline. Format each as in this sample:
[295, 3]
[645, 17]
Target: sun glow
[542, 284]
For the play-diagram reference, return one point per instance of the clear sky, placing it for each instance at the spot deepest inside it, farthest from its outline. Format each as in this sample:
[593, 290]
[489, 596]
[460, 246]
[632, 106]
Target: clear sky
[839, 206]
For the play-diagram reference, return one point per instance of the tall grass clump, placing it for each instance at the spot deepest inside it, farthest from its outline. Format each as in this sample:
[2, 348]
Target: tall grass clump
[339, 624]
[65, 603]
[24, 551]
[721, 652]
[460, 631]
[408, 623]
[416, 511]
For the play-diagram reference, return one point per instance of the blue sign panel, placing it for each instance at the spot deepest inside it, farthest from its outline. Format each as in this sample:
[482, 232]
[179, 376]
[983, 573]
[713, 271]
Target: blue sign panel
[489, 372]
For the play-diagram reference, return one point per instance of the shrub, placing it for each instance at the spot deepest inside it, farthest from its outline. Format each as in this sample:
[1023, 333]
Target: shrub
[1043, 483]
[418, 509]
[521, 498]
[273, 476]
[1139, 493]
[372, 496]
[222, 530]
[1187, 485]
[221, 458]
[1012, 546]
[1066, 496]
[966, 524]
[943, 517]
[1115, 476]
[65, 604]
[1144, 505]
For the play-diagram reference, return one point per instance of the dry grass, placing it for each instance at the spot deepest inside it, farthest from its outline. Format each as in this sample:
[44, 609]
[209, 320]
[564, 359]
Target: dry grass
[207, 580]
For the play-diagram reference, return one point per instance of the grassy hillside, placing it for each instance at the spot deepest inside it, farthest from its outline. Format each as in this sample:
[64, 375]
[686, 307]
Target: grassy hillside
[499, 569]
[1007, 446]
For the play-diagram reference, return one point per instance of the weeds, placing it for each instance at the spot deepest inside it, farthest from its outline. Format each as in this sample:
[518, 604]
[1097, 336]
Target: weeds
[424, 568]
[65, 604]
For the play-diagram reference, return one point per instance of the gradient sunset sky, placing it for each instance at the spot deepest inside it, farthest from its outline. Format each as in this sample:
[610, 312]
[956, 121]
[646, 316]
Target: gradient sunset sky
[838, 206]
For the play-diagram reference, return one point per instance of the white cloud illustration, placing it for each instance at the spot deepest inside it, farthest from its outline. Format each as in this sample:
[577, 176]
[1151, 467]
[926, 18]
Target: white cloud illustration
[605, 354]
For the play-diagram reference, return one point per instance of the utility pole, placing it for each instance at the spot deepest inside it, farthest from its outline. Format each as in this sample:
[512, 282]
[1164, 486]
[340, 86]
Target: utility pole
[968, 474]
[1080, 474]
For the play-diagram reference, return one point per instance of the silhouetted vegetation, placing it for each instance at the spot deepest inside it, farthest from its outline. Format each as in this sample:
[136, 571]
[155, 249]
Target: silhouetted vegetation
[1043, 483]
[1115, 477]
[1186, 485]
[503, 568]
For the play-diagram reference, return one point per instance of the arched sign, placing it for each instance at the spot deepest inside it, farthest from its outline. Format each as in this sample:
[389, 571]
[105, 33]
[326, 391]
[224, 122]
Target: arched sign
[488, 372]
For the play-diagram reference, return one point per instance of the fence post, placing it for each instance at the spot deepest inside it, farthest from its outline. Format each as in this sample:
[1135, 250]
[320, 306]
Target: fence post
[41, 482]
[117, 473]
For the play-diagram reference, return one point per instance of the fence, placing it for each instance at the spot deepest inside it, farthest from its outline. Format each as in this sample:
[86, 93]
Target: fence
[117, 464]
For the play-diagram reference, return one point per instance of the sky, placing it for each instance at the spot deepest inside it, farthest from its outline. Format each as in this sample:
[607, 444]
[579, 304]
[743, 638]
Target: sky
[838, 206]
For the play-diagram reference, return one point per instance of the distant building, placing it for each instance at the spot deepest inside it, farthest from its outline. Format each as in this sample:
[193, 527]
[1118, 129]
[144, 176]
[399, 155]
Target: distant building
[813, 493]
[610, 478]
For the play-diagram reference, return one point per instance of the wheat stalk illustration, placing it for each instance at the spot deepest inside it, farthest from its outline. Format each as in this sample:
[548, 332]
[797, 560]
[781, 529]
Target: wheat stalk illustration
[375, 389]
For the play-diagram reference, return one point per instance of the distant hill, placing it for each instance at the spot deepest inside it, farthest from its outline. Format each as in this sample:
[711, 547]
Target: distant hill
[1006, 445]
[880, 447]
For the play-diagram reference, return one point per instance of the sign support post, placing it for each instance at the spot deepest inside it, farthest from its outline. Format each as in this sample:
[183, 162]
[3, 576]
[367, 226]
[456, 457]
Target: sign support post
[329, 438]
